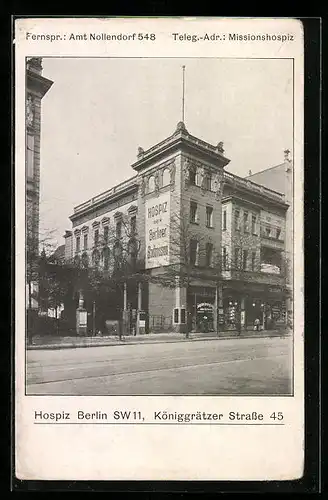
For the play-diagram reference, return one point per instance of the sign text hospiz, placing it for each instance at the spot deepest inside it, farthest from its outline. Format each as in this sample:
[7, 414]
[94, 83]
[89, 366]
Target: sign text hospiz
[157, 231]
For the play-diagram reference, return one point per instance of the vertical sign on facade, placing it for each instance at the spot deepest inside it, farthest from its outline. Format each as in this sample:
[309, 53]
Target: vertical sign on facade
[157, 231]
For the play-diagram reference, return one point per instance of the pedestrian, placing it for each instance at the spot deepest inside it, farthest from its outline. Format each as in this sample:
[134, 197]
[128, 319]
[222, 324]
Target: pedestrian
[257, 324]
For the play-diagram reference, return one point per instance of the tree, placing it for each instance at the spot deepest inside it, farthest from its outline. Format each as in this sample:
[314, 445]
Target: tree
[104, 270]
[54, 283]
[34, 240]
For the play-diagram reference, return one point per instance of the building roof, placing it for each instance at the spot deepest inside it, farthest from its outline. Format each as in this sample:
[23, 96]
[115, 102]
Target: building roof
[181, 139]
[35, 80]
[272, 178]
[261, 184]
[59, 254]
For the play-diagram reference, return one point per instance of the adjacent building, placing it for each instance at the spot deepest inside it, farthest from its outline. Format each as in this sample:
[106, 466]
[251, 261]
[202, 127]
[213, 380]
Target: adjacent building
[210, 247]
[281, 178]
[36, 88]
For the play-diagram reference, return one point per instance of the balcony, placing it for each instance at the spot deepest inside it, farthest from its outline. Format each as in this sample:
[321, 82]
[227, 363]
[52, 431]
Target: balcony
[271, 242]
[265, 278]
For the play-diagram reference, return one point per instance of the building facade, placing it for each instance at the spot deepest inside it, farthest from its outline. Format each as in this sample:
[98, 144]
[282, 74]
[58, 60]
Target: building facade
[36, 88]
[206, 258]
[281, 178]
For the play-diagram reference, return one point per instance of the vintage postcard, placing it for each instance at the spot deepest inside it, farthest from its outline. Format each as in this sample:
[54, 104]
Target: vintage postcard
[159, 249]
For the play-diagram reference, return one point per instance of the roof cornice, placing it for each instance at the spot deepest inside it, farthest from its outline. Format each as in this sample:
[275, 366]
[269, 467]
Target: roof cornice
[181, 139]
[38, 83]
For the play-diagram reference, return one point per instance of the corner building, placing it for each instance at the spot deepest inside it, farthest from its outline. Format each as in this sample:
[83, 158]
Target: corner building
[209, 263]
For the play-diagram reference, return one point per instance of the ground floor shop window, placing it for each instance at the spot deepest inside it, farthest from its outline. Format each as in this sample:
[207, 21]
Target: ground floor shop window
[201, 312]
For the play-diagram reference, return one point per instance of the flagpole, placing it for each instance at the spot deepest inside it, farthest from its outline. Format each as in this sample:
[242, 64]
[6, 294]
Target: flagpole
[183, 93]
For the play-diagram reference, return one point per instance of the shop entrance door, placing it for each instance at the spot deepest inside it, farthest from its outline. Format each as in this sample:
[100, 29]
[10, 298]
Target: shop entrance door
[205, 317]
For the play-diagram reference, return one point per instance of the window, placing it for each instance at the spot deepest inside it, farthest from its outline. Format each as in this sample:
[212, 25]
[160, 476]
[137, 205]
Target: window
[118, 229]
[133, 225]
[224, 258]
[268, 231]
[166, 177]
[85, 242]
[132, 252]
[237, 220]
[30, 156]
[78, 242]
[245, 255]
[253, 260]
[117, 254]
[193, 212]
[151, 184]
[209, 216]
[237, 257]
[278, 232]
[106, 231]
[192, 175]
[245, 222]
[207, 181]
[209, 254]
[96, 237]
[224, 224]
[95, 258]
[106, 258]
[194, 252]
[253, 224]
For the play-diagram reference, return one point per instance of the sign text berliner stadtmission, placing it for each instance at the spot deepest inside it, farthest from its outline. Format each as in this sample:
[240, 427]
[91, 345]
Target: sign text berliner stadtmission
[157, 219]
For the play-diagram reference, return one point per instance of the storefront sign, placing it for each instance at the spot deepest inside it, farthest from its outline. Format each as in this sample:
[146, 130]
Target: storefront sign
[205, 307]
[157, 231]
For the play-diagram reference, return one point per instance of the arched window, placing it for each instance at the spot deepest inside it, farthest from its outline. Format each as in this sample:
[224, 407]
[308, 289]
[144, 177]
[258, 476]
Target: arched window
[117, 251]
[151, 184]
[207, 180]
[106, 255]
[133, 251]
[166, 177]
[192, 174]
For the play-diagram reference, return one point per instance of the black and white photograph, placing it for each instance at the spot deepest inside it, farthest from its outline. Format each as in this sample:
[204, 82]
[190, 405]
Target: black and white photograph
[159, 226]
[159, 262]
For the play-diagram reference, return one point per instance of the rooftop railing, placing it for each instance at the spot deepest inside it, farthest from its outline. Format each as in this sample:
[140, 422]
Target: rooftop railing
[245, 183]
[191, 138]
[102, 196]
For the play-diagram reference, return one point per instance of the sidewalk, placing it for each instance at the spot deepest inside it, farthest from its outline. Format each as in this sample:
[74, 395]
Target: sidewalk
[151, 338]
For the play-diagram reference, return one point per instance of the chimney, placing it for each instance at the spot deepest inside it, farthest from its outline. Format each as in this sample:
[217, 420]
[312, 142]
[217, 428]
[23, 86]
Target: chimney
[287, 154]
[249, 173]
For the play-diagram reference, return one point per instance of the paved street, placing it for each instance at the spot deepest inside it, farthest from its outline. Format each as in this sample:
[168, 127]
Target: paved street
[247, 366]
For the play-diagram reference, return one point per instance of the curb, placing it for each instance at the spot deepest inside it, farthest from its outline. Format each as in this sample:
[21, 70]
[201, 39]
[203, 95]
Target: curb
[166, 341]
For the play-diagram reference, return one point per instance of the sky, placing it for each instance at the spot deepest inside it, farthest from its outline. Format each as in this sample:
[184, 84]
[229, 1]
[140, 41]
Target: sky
[100, 110]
